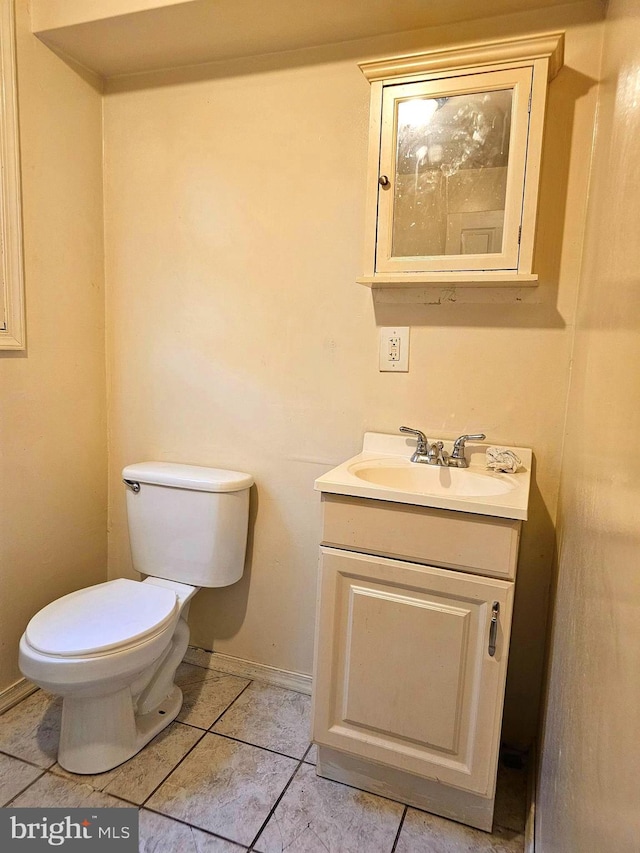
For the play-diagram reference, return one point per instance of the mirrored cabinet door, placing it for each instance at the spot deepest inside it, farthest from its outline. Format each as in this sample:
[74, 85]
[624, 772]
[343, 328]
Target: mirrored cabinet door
[452, 169]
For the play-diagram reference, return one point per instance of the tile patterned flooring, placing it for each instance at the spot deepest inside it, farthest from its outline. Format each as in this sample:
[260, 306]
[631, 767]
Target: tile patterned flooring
[235, 772]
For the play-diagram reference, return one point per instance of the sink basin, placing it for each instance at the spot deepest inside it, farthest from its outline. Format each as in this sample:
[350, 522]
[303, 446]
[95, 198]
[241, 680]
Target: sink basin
[383, 471]
[431, 479]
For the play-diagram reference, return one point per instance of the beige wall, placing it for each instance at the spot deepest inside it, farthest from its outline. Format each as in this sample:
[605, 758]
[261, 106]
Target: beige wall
[588, 787]
[52, 419]
[237, 337]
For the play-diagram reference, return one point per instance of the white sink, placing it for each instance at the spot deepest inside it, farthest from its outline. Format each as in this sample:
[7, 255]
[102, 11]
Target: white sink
[383, 471]
[431, 479]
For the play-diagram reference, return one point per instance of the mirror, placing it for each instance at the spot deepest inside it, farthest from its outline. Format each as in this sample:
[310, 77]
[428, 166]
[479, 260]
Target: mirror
[451, 156]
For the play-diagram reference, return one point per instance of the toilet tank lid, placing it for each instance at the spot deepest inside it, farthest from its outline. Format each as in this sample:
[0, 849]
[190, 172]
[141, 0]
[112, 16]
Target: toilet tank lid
[194, 477]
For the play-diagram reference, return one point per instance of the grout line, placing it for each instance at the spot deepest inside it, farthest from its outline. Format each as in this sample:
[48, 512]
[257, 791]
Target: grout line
[26, 788]
[175, 767]
[118, 797]
[24, 760]
[50, 771]
[22, 697]
[264, 748]
[305, 759]
[204, 666]
[201, 665]
[191, 726]
[195, 826]
[233, 701]
[397, 838]
[202, 728]
[363, 790]
[275, 805]
[214, 675]
[77, 779]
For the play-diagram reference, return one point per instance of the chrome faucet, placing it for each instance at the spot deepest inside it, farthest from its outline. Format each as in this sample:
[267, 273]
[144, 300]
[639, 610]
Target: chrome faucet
[422, 449]
[435, 454]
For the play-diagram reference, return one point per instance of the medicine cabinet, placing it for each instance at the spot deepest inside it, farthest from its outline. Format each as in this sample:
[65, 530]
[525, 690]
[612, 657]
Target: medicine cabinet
[454, 160]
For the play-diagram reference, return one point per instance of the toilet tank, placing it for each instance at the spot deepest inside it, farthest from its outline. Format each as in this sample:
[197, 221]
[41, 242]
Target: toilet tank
[188, 523]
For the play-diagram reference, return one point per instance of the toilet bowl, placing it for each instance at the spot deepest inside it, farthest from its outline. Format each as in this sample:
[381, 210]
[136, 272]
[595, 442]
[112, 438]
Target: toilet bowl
[111, 650]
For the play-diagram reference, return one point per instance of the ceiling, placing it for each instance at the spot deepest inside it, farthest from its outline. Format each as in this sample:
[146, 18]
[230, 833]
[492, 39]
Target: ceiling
[116, 37]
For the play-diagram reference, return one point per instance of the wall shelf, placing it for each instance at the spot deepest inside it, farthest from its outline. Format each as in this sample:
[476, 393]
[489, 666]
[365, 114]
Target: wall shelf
[483, 278]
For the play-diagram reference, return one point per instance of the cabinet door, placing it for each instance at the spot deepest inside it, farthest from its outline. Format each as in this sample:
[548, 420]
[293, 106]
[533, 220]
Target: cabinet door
[452, 165]
[403, 674]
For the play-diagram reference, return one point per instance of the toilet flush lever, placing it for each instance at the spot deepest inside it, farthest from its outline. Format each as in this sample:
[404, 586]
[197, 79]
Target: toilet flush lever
[135, 487]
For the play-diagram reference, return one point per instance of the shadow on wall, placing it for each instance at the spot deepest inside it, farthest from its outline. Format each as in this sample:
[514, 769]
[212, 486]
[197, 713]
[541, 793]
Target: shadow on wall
[530, 612]
[229, 604]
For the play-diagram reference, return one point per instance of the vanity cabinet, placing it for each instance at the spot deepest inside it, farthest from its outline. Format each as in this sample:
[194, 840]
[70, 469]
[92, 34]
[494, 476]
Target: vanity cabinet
[411, 652]
[455, 148]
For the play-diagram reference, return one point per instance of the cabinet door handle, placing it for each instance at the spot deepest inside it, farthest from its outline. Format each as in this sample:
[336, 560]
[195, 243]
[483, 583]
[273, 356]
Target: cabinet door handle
[384, 181]
[493, 630]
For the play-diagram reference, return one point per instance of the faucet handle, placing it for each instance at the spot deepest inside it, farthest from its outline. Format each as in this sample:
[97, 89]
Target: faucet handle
[422, 438]
[459, 443]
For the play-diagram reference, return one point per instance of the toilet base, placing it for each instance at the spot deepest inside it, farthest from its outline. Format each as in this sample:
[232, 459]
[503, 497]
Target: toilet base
[98, 733]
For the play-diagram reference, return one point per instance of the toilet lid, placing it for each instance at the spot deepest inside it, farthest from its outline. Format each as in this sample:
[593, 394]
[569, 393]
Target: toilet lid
[100, 618]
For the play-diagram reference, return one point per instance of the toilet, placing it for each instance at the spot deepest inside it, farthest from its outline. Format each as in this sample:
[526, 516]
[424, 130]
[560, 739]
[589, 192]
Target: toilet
[111, 650]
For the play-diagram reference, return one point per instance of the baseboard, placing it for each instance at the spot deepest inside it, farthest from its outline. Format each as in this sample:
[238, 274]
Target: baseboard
[16, 693]
[530, 825]
[296, 681]
[200, 657]
[395, 784]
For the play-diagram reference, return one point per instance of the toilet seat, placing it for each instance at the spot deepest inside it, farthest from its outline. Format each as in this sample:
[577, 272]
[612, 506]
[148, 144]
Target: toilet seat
[102, 619]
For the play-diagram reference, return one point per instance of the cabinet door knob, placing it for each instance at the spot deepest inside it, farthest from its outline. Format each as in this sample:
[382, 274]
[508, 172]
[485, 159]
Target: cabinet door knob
[384, 181]
[493, 630]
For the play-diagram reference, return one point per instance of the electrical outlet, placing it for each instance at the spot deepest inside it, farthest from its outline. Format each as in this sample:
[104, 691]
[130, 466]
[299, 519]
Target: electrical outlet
[394, 349]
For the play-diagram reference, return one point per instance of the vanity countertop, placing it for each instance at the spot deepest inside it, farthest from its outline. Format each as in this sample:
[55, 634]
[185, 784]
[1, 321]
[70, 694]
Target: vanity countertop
[383, 471]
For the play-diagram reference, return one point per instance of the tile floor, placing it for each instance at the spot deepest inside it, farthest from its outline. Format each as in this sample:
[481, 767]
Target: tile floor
[235, 772]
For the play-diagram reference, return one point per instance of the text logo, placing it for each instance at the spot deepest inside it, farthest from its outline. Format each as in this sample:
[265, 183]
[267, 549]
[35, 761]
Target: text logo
[28, 830]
